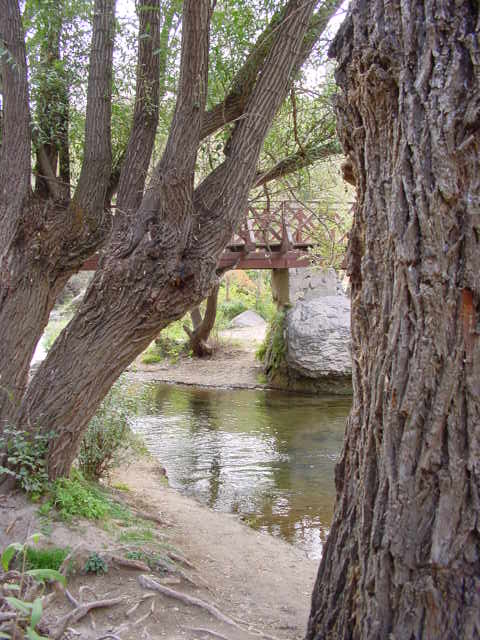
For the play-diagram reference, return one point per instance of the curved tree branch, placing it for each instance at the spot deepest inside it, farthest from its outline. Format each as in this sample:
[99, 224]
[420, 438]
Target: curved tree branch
[145, 117]
[225, 191]
[304, 158]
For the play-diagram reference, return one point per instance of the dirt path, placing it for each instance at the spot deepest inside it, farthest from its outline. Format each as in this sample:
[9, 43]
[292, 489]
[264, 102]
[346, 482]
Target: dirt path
[233, 364]
[252, 576]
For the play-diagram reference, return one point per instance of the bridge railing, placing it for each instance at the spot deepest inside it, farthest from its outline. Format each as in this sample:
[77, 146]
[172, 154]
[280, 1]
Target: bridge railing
[280, 226]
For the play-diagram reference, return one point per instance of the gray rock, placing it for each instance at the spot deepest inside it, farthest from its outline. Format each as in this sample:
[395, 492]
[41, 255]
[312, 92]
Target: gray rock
[248, 319]
[318, 338]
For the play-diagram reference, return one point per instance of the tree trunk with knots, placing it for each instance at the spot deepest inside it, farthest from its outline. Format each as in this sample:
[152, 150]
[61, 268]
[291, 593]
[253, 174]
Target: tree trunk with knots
[403, 556]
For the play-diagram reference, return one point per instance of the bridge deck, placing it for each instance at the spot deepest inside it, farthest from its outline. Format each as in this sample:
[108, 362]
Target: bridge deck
[269, 238]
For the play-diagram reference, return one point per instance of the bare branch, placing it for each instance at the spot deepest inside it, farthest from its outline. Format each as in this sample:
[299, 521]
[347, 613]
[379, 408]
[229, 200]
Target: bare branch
[90, 194]
[145, 117]
[225, 191]
[303, 158]
[173, 177]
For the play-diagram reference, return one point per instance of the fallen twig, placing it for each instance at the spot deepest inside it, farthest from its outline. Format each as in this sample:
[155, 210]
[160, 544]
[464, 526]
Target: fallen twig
[178, 558]
[9, 615]
[210, 632]
[11, 525]
[64, 565]
[80, 612]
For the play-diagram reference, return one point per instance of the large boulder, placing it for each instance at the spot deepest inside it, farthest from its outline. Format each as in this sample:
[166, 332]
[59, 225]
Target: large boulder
[317, 333]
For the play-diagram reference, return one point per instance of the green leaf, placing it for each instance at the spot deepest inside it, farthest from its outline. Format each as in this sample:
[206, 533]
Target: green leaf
[36, 537]
[12, 587]
[9, 552]
[33, 635]
[24, 607]
[37, 610]
[47, 574]
[4, 635]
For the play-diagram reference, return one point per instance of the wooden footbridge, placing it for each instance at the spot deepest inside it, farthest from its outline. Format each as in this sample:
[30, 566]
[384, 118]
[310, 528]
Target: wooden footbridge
[270, 237]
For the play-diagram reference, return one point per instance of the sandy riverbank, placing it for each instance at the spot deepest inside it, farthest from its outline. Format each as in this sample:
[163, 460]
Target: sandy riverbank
[261, 583]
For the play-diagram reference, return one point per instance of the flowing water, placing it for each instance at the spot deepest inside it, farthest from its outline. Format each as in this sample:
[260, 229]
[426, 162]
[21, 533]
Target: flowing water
[265, 455]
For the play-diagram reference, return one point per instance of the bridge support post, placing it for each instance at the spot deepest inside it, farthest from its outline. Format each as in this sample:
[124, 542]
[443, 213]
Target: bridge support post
[281, 287]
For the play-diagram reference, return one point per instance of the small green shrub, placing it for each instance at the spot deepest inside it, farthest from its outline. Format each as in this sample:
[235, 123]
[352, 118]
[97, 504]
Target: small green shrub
[26, 459]
[95, 564]
[74, 497]
[109, 441]
[152, 358]
[232, 308]
[155, 561]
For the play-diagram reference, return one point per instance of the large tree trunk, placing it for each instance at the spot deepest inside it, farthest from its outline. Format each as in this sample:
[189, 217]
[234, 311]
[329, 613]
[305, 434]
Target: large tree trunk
[403, 556]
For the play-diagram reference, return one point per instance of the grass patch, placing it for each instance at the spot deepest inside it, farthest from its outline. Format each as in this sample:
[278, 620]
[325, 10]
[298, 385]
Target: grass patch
[272, 351]
[155, 561]
[140, 534]
[121, 486]
[45, 558]
[150, 357]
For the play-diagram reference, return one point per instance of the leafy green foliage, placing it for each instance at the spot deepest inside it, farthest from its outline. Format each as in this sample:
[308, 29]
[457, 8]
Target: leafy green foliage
[26, 459]
[272, 351]
[95, 564]
[109, 441]
[29, 614]
[74, 497]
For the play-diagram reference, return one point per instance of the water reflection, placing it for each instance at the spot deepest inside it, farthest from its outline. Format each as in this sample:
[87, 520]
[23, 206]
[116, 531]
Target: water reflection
[266, 455]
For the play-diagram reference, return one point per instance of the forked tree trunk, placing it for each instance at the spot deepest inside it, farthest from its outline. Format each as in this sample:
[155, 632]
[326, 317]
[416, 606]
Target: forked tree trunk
[403, 556]
[167, 263]
[202, 326]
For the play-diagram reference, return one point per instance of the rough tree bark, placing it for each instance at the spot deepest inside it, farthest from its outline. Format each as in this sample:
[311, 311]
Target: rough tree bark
[403, 556]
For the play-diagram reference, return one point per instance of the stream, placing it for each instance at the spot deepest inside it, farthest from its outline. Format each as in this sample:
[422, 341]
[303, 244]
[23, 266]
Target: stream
[265, 455]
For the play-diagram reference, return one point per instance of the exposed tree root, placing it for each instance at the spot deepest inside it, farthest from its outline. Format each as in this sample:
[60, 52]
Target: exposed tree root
[149, 583]
[79, 613]
[178, 558]
[130, 564]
